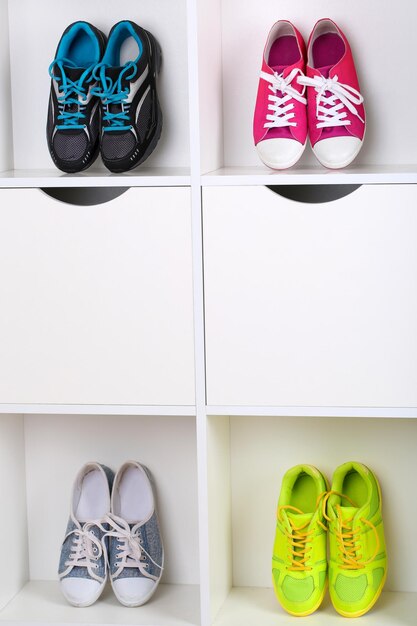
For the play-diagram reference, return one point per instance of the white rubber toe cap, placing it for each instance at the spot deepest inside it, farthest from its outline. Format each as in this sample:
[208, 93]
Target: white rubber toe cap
[81, 591]
[279, 154]
[337, 152]
[133, 591]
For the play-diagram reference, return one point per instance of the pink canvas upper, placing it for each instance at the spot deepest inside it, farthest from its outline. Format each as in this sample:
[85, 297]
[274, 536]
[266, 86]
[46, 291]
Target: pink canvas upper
[321, 63]
[283, 44]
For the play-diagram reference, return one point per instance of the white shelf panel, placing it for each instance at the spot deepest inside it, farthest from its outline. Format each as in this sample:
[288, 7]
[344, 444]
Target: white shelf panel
[249, 606]
[98, 409]
[313, 411]
[314, 175]
[142, 177]
[42, 602]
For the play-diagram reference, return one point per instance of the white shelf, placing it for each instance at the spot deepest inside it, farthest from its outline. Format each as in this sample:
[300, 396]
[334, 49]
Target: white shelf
[313, 175]
[98, 409]
[42, 602]
[250, 606]
[313, 411]
[143, 177]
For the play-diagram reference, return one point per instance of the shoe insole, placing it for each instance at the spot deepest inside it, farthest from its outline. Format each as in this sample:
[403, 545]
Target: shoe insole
[94, 500]
[284, 51]
[354, 487]
[328, 49]
[304, 494]
[129, 51]
[133, 499]
[82, 50]
[124, 45]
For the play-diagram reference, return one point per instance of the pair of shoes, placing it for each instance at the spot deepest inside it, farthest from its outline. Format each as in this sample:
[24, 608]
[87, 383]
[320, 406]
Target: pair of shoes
[332, 114]
[113, 531]
[104, 98]
[351, 511]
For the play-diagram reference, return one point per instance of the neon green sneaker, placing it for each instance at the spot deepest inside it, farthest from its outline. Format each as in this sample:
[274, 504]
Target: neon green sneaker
[299, 563]
[358, 560]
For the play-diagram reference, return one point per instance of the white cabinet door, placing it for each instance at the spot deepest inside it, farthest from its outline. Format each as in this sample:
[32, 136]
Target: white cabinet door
[96, 301]
[311, 304]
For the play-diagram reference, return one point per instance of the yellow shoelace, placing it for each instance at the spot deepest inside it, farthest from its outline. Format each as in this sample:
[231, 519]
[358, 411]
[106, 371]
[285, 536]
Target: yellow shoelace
[299, 539]
[347, 536]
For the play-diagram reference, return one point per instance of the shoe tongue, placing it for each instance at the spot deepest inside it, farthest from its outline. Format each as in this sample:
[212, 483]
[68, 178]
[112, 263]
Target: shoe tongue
[299, 519]
[74, 73]
[71, 131]
[348, 512]
[279, 69]
[325, 71]
[114, 72]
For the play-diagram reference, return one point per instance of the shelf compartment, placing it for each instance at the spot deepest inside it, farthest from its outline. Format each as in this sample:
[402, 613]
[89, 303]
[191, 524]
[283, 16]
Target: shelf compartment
[232, 36]
[42, 602]
[41, 455]
[249, 606]
[250, 454]
[97, 300]
[27, 148]
[311, 305]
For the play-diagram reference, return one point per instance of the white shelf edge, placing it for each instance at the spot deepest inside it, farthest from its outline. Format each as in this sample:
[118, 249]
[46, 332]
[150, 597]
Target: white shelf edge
[312, 411]
[359, 175]
[41, 602]
[157, 177]
[99, 409]
[210, 410]
[258, 606]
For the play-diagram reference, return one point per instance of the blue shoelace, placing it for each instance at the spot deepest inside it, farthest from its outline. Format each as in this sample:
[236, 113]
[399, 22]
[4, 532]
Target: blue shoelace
[70, 91]
[113, 93]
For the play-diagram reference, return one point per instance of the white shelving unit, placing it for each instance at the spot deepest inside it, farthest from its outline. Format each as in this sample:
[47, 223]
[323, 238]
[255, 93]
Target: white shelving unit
[197, 320]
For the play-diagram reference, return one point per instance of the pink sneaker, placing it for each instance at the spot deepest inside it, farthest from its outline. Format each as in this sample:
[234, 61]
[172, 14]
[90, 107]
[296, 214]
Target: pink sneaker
[280, 120]
[336, 114]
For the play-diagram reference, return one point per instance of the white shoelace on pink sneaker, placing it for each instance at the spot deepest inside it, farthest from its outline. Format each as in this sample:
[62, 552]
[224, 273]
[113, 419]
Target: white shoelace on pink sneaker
[281, 108]
[341, 96]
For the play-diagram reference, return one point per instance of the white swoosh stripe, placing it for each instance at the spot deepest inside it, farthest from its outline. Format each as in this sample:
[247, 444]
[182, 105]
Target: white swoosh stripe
[134, 87]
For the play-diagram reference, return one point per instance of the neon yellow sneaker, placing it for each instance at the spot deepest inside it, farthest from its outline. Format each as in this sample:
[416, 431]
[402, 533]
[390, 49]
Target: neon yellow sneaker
[358, 560]
[299, 563]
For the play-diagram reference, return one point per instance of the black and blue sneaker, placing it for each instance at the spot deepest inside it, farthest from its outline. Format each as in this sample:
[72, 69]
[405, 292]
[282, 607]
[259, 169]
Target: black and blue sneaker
[73, 127]
[131, 116]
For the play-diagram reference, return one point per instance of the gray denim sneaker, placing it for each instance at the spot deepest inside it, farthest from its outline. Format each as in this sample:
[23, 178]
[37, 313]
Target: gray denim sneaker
[83, 562]
[136, 552]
